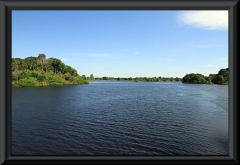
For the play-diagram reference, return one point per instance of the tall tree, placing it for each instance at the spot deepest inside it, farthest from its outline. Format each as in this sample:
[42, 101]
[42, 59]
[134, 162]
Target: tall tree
[57, 64]
[84, 77]
[91, 77]
[42, 60]
[47, 65]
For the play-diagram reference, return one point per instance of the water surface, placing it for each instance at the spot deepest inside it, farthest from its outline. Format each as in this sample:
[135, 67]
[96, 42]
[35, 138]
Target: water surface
[121, 118]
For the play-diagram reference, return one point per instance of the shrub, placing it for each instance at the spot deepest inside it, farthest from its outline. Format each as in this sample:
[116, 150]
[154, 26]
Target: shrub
[31, 81]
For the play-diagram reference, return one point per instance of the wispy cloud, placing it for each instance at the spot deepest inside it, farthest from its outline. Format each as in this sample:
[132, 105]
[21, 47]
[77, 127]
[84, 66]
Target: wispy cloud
[100, 55]
[66, 59]
[208, 46]
[200, 46]
[210, 65]
[186, 47]
[124, 50]
[211, 20]
[224, 58]
[76, 54]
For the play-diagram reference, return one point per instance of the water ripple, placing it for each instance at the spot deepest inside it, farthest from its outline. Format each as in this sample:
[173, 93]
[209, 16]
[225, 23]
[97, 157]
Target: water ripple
[121, 118]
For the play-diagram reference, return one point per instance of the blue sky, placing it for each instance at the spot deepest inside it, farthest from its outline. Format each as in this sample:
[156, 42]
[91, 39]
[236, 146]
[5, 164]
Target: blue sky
[125, 43]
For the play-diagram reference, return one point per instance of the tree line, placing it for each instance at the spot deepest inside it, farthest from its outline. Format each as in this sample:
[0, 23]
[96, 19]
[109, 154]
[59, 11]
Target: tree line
[220, 78]
[144, 79]
[43, 71]
[193, 78]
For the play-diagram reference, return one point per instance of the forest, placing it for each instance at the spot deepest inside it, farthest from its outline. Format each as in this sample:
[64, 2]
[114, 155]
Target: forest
[42, 71]
[220, 78]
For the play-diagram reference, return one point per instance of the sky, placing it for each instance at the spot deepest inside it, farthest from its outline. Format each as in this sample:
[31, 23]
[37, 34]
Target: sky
[150, 43]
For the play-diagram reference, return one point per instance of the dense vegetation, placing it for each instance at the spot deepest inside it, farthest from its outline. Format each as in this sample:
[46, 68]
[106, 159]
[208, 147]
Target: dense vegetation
[40, 71]
[220, 78]
[145, 79]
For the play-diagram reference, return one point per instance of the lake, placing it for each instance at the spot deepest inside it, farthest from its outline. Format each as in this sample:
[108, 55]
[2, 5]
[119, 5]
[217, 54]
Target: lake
[121, 118]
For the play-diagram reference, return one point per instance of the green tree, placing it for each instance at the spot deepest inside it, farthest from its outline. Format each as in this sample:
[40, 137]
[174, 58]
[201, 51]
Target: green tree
[15, 63]
[224, 73]
[91, 77]
[194, 78]
[105, 78]
[30, 72]
[41, 59]
[47, 65]
[84, 77]
[57, 64]
[22, 65]
[31, 62]
[220, 79]
[68, 76]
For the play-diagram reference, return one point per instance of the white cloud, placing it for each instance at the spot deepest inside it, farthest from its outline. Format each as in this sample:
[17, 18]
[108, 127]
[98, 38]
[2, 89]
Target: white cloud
[66, 59]
[210, 66]
[124, 50]
[208, 19]
[214, 66]
[100, 55]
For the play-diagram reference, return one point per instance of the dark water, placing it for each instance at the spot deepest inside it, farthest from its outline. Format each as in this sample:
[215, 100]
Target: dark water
[121, 118]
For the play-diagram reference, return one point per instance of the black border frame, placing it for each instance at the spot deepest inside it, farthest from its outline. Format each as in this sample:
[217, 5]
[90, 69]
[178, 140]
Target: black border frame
[6, 7]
